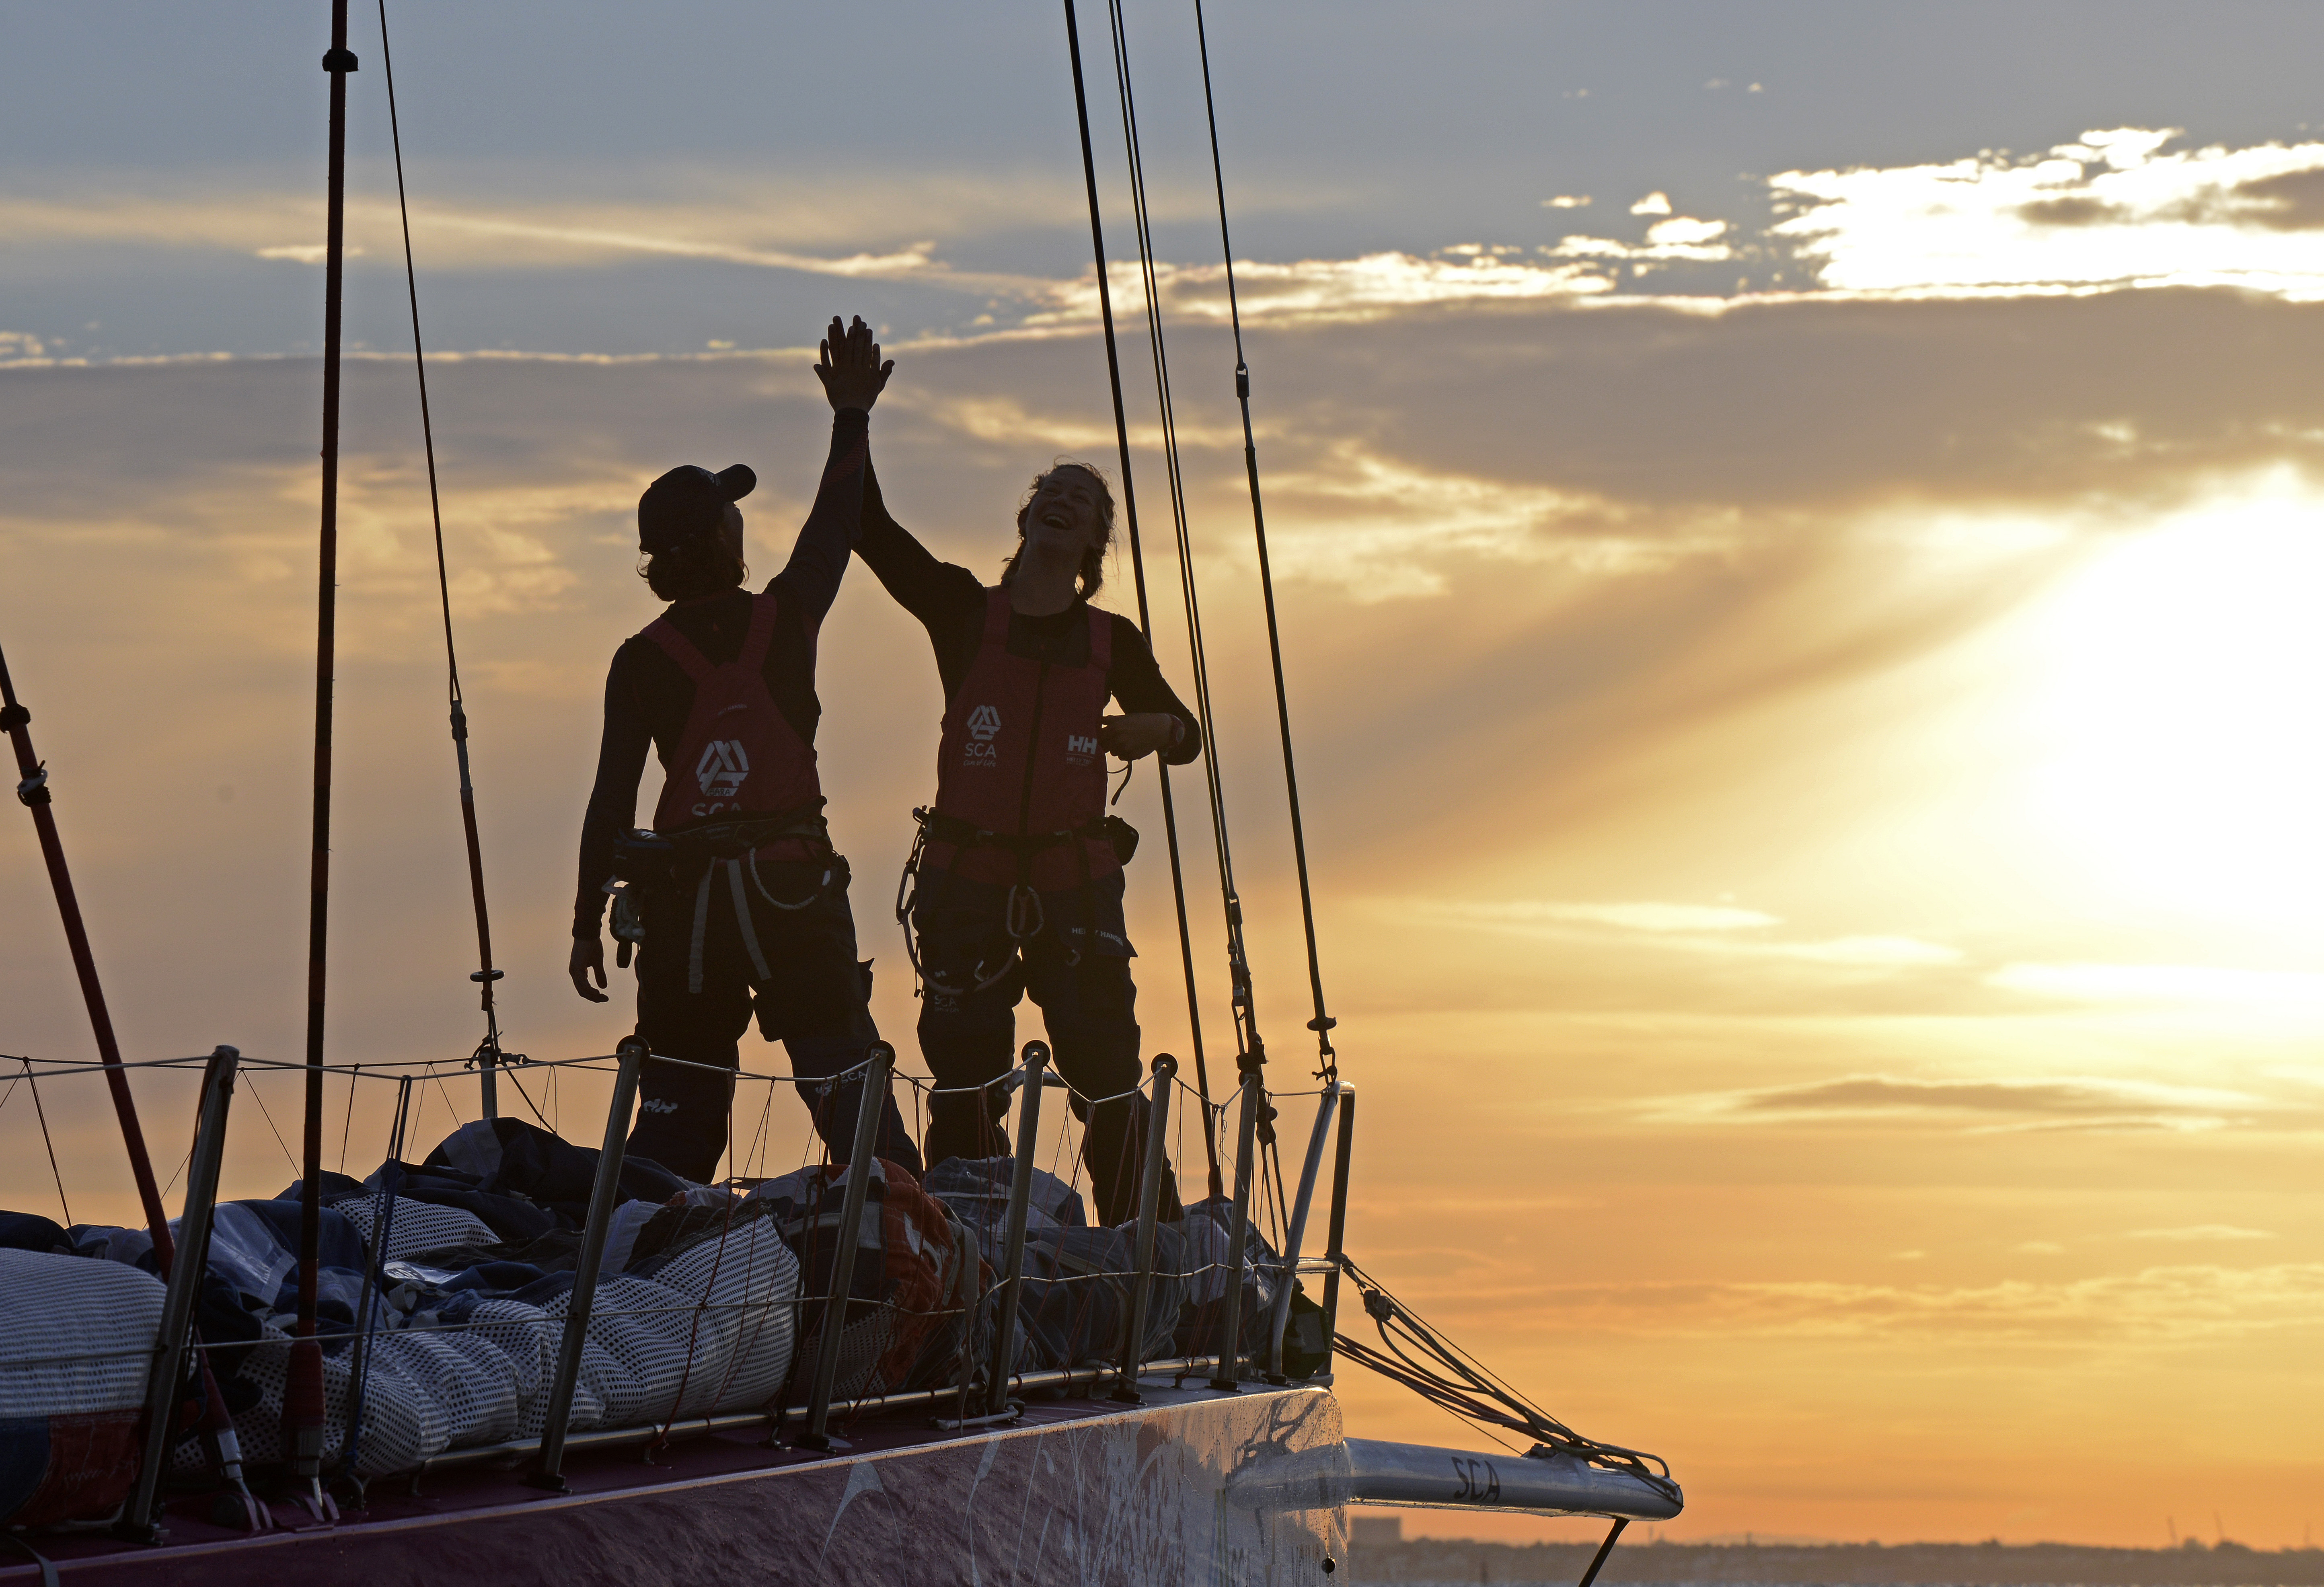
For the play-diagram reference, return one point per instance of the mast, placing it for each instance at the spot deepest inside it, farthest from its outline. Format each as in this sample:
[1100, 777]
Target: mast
[302, 1409]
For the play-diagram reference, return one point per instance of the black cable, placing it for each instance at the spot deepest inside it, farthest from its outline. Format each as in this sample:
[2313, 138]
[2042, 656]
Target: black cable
[1138, 571]
[1441, 1372]
[1323, 1023]
[488, 1055]
[42, 1114]
[1251, 1049]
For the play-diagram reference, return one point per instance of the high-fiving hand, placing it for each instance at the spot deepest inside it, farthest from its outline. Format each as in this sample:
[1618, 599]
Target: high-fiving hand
[849, 365]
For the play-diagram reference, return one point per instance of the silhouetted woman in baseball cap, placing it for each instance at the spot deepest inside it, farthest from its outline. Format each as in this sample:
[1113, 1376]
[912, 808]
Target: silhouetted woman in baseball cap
[740, 907]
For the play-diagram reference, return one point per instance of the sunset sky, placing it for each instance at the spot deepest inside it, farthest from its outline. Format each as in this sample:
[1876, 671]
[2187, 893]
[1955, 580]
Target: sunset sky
[1796, 526]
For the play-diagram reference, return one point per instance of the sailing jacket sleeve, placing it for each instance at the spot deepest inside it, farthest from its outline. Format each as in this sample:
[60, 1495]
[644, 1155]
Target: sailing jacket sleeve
[947, 598]
[809, 581]
[613, 800]
[1139, 685]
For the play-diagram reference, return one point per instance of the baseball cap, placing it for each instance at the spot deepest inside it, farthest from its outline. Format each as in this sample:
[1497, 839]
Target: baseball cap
[686, 500]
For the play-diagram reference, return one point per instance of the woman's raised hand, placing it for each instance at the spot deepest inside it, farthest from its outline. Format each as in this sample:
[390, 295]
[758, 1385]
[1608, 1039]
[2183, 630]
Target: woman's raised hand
[849, 365]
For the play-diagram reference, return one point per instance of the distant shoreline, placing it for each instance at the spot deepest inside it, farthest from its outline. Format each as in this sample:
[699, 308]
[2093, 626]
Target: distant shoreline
[1843, 1565]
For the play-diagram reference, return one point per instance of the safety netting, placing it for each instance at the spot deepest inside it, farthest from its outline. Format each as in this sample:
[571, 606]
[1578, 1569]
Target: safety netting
[75, 1340]
[445, 1285]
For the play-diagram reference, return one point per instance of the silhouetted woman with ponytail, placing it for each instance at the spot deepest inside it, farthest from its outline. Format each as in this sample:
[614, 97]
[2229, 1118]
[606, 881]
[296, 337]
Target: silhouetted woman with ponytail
[1017, 873]
[735, 898]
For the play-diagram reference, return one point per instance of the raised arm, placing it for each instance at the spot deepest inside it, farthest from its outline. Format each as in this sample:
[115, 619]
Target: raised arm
[853, 376]
[613, 806]
[933, 592]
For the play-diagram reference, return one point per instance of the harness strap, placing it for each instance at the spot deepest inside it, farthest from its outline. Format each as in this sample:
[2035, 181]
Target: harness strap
[996, 617]
[678, 649]
[701, 930]
[697, 666]
[742, 920]
[941, 828]
[731, 839]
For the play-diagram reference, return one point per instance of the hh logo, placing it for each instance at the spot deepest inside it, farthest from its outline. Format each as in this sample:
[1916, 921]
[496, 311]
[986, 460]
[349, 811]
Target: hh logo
[722, 768]
[654, 1104]
[1077, 744]
[984, 723]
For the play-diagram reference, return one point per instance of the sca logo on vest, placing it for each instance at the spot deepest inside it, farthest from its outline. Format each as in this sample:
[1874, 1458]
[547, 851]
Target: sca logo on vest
[722, 768]
[983, 727]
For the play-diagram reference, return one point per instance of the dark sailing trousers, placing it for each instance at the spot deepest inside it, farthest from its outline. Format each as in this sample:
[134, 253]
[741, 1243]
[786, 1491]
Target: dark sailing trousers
[814, 1001]
[1087, 1002]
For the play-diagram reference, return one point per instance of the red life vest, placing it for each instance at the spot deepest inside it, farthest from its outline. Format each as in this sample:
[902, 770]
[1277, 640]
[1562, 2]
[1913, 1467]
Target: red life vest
[739, 755]
[1020, 758]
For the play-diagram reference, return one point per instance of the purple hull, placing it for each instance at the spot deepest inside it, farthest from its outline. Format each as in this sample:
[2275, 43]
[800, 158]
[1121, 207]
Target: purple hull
[1083, 1492]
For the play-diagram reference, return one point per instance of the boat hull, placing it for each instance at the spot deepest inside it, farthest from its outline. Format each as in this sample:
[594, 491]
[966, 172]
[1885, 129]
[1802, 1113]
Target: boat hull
[1080, 1493]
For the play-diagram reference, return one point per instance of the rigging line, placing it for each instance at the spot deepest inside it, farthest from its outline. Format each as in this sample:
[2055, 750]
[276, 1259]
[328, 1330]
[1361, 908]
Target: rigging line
[451, 1105]
[516, 1080]
[1322, 1024]
[1251, 1049]
[41, 1113]
[347, 1127]
[1138, 571]
[488, 1054]
[258, 1097]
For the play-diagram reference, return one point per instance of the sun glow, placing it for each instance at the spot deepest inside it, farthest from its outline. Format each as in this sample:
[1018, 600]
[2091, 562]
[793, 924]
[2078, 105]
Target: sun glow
[2180, 716]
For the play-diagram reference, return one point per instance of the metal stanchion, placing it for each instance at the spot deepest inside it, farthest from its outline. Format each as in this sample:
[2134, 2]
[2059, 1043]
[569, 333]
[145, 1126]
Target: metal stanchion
[161, 1390]
[602, 1195]
[1149, 1203]
[1228, 1376]
[879, 1063]
[382, 1230]
[1295, 1231]
[1335, 1241]
[1020, 1196]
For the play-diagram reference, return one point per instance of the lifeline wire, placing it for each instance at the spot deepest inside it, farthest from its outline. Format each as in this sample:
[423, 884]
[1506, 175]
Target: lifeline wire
[1137, 570]
[488, 1052]
[1323, 1023]
[1251, 1050]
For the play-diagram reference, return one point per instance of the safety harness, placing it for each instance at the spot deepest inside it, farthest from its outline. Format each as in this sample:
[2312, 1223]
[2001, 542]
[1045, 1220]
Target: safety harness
[740, 785]
[1038, 719]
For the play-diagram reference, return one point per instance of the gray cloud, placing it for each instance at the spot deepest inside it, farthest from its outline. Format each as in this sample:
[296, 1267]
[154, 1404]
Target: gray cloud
[2151, 1307]
[162, 515]
[2076, 1102]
